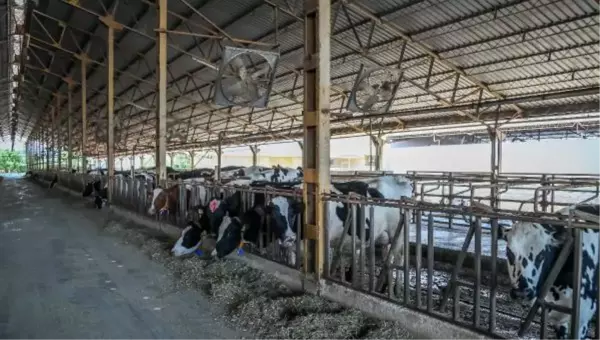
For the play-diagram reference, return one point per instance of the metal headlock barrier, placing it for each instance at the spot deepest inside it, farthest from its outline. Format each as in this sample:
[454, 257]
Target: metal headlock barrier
[469, 287]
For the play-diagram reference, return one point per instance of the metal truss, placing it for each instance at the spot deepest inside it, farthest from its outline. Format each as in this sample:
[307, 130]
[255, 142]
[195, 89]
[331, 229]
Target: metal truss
[455, 67]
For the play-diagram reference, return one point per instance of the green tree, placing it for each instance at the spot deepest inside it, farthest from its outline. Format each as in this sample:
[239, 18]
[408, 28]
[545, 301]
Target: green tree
[11, 161]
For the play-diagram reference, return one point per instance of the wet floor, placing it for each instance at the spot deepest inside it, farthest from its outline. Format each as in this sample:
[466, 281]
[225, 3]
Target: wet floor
[444, 237]
[61, 278]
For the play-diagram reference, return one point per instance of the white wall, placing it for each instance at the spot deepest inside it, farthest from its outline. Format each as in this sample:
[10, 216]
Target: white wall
[552, 156]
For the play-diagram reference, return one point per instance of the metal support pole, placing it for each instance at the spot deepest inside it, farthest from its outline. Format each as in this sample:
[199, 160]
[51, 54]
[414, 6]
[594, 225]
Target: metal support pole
[378, 143]
[47, 148]
[70, 127]
[219, 154]
[317, 22]
[27, 154]
[161, 114]
[254, 149]
[112, 25]
[192, 160]
[83, 113]
[58, 134]
[132, 165]
[495, 165]
[53, 140]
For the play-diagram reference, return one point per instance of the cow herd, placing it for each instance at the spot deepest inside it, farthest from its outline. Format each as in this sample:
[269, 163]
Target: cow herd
[232, 221]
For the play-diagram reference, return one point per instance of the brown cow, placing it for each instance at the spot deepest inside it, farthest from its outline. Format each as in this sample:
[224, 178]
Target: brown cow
[166, 200]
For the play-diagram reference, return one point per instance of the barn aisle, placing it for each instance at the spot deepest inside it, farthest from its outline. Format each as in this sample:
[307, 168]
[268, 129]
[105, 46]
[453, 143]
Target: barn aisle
[61, 278]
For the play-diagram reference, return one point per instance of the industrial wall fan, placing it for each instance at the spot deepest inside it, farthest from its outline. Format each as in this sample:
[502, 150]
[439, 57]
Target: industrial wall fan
[245, 77]
[374, 89]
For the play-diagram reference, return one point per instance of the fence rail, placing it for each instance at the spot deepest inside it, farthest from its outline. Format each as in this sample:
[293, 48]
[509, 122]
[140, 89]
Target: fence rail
[410, 266]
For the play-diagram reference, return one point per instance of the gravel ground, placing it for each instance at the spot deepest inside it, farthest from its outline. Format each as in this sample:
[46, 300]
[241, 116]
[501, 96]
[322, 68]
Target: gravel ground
[254, 300]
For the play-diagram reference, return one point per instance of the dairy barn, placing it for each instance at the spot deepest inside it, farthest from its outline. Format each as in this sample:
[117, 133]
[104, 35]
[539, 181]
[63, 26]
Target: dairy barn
[267, 169]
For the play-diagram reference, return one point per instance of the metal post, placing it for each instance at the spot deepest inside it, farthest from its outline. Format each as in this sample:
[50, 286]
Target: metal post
[378, 143]
[192, 160]
[47, 148]
[112, 25]
[317, 22]
[132, 165]
[83, 112]
[495, 158]
[254, 150]
[58, 134]
[161, 114]
[69, 127]
[219, 154]
[52, 140]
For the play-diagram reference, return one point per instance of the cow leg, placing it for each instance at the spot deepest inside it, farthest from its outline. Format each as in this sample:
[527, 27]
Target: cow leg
[560, 321]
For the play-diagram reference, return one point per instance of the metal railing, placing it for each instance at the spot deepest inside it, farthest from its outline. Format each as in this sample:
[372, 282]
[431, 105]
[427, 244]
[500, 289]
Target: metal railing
[471, 289]
[471, 294]
[514, 191]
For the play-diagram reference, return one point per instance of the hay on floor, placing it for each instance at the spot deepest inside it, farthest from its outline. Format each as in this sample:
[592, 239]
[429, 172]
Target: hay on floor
[255, 301]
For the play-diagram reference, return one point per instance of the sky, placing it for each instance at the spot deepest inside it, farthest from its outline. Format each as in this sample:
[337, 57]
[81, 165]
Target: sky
[6, 144]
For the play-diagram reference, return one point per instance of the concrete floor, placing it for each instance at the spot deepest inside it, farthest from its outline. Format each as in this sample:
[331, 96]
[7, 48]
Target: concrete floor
[60, 278]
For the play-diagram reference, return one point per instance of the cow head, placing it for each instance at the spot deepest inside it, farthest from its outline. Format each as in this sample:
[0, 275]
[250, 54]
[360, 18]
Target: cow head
[234, 231]
[283, 213]
[531, 249]
[159, 200]
[189, 241]
[90, 187]
[219, 208]
[230, 236]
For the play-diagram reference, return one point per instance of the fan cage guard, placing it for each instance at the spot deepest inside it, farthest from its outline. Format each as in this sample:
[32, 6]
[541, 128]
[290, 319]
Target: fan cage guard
[363, 74]
[230, 53]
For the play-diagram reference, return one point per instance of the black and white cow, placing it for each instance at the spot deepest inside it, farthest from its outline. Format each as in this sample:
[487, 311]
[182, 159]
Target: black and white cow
[210, 218]
[531, 251]
[224, 218]
[229, 172]
[203, 173]
[100, 193]
[280, 212]
[387, 219]
[277, 174]
[97, 172]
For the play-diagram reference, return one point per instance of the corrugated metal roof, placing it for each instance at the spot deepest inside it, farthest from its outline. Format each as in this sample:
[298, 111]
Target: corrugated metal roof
[516, 48]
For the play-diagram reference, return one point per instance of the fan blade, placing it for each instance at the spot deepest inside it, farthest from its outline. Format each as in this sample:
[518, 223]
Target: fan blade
[252, 90]
[370, 102]
[261, 71]
[237, 62]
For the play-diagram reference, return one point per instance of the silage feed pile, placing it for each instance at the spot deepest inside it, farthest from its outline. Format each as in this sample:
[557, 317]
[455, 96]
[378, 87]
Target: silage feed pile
[254, 300]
